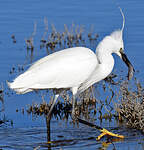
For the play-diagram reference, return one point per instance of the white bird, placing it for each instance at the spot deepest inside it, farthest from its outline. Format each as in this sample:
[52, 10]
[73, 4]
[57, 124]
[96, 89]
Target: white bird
[75, 68]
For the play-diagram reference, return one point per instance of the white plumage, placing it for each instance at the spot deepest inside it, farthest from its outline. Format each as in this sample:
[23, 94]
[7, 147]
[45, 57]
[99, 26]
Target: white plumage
[64, 69]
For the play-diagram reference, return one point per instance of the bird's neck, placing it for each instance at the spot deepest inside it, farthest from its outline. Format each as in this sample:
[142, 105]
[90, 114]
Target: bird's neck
[103, 69]
[106, 62]
[105, 57]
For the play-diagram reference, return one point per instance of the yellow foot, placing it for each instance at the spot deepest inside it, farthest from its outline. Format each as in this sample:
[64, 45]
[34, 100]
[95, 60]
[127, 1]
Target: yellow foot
[106, 132]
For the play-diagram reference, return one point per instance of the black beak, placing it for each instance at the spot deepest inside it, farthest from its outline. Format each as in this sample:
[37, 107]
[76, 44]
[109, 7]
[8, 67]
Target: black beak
[130, 66]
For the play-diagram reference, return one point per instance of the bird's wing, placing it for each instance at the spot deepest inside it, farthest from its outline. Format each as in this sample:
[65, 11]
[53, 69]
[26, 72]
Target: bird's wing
[63, 69]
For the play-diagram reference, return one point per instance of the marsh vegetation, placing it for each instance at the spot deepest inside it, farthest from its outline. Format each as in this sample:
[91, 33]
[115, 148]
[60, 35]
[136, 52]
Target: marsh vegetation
[113, 98]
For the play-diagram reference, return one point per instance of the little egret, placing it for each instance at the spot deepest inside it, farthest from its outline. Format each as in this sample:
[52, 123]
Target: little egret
[73, 68]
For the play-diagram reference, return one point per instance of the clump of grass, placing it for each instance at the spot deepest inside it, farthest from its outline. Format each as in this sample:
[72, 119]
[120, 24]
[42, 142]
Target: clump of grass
[30, 41]
[62, 109]
[131, 107]
[69, 37]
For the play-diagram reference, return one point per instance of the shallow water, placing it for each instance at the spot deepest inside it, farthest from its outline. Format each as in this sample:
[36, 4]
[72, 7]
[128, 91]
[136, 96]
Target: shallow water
[18, 18]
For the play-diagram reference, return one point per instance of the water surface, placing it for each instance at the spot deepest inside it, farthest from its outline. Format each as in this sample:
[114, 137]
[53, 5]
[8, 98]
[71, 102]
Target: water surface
[18, 18]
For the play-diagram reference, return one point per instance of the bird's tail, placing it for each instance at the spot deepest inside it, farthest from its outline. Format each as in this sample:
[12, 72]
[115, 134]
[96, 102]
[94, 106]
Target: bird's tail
[21, 90]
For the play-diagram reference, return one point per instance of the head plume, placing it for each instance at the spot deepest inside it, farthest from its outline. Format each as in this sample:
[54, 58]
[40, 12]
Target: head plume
[123, 19]
[117, 35]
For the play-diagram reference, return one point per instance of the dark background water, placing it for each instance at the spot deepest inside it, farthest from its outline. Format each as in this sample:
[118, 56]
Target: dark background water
[18, 18]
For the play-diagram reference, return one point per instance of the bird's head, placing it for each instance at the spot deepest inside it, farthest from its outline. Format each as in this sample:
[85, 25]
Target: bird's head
[118, 48]
[113, 43]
